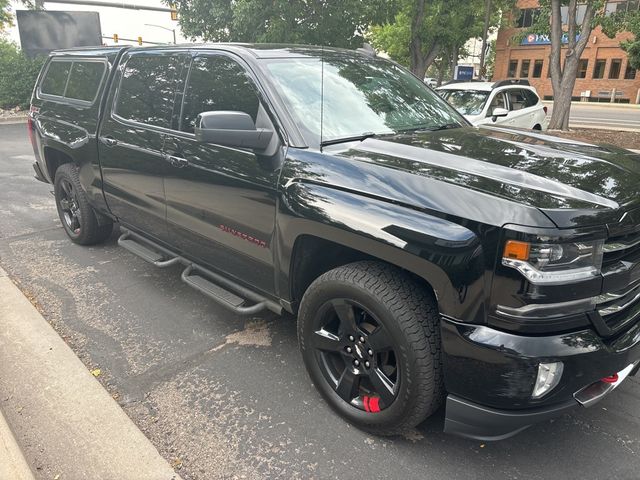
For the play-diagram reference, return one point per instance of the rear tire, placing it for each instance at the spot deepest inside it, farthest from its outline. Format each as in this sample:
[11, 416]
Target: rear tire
[368, 321]
[80, 221]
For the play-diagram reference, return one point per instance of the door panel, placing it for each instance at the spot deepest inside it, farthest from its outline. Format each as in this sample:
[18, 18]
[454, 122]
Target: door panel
[221, 201]
[132, 139]
[499, 100]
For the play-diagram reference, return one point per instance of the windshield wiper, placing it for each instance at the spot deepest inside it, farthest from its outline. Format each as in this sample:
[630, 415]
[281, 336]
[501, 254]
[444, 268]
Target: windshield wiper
[354, 138]
[446, 126]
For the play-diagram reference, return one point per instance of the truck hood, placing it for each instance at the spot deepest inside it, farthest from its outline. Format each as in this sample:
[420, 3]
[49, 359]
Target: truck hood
[550, 173]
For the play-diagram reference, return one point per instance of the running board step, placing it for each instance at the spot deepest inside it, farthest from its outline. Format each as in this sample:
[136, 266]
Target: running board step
[196, 279]
[146, 253]
[215, 286]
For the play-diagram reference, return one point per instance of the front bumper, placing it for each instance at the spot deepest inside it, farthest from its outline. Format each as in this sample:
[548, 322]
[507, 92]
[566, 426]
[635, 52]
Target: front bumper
[490, 375]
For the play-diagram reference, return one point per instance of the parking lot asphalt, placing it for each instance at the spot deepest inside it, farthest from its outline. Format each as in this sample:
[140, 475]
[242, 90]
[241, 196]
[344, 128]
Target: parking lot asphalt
[222, 396]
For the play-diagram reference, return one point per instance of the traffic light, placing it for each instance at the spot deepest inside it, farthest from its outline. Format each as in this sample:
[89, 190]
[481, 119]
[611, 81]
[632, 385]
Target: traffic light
[139, 40]
[115, 38]
[174, 15]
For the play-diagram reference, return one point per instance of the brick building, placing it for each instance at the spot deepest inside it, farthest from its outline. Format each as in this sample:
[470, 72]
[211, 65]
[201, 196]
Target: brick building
[604, 72]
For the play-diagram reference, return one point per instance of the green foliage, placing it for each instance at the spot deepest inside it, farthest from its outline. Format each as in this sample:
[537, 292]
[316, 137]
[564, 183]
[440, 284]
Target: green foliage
[18, 76]
[393, 38]
[6, 18]
[324, 22]
[446, 26]
[626, 22]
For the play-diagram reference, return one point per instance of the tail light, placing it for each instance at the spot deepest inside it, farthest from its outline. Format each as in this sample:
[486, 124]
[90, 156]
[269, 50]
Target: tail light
[545, 109]
[30, 126]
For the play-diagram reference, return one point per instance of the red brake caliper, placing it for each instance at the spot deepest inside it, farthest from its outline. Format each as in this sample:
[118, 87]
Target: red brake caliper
[371, 404]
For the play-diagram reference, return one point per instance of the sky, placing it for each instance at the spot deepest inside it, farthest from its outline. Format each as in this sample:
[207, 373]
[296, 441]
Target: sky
[126, 23]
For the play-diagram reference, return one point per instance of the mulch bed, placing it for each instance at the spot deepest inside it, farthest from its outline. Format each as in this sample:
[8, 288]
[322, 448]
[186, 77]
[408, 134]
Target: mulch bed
[630, 140]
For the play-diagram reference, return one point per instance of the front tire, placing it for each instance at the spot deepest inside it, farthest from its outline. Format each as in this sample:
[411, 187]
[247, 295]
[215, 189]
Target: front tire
[80, 221]
[370, 339]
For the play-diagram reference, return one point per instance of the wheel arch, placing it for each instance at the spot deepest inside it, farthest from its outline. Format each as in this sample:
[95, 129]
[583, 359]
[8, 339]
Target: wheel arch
[313, 256]
[324, 228]
[53, 158]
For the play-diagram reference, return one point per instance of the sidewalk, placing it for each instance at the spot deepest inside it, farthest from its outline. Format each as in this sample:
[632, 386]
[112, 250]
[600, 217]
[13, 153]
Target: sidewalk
[67, 424]
[13, 466]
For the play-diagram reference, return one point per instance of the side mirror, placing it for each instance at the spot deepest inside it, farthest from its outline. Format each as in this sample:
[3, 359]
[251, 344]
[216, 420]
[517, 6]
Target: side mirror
[231, 129]
[499, 112]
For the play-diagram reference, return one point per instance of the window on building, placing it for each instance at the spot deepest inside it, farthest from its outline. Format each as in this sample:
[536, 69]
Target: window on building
[537, 68]
[218, 83]
[524, 69]
[583, 66]
[527, 17]
[621, 7]
[580, 14]
[630, 73]
[615, 68]
[147, 89]
[598, 71]
[513, 69]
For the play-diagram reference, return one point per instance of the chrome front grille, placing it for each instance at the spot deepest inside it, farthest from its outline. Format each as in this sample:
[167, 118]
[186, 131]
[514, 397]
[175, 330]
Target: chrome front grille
[619, 307]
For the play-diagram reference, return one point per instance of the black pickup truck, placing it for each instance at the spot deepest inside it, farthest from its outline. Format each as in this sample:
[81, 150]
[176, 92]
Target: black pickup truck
[427, 261]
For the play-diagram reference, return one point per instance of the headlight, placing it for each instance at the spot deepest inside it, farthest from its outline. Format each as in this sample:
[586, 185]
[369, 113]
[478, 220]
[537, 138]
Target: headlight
[554, 263]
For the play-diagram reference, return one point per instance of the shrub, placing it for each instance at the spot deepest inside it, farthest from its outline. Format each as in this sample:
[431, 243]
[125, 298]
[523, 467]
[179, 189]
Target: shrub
[18, 75]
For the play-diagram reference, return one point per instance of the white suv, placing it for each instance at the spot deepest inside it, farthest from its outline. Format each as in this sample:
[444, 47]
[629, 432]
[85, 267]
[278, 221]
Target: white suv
[512, 103]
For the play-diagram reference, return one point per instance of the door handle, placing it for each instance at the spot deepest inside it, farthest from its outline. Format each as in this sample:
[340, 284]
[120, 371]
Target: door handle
[109, 141]
[177, 161]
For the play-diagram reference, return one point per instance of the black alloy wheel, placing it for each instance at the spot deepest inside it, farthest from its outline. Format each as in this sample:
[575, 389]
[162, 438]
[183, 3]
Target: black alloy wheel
[369, 335]
[81, 222]
[71, 214]
[355, 355]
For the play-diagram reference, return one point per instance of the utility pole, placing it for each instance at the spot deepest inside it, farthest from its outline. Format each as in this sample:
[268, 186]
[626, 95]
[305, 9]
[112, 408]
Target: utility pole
[485, 34]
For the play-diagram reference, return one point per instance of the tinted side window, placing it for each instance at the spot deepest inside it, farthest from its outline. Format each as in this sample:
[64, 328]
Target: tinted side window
[85, 80]
[55, 80]
[147, 89]
[517, 99]
[217, 83]
[531, 98]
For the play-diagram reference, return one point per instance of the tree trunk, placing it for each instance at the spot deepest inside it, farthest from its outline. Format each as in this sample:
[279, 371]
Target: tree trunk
[485, 34]
[455, 55]
[563, 76]
[420, 60]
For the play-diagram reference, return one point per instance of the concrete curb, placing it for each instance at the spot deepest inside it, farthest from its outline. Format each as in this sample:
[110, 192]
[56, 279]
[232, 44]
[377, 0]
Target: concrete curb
[12, 463]
[604, 127]
[13, 120]
[600, 105]
[59, 413]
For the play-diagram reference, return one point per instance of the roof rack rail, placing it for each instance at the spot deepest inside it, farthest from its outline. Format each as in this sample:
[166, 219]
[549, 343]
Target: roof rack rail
[512, 81]
[471, 80]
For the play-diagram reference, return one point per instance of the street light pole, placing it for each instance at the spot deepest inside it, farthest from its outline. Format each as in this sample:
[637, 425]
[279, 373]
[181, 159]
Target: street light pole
[172, 30]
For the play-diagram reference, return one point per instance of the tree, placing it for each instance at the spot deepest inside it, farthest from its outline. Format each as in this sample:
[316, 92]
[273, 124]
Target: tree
[6, 19]
[570, 37]
[425, 31]
[421, 31]
[322, 22]
[569, 25]
[626, 22]
[18, 74]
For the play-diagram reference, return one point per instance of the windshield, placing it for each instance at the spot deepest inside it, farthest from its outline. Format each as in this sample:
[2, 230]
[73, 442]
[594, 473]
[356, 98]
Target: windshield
[362, 96]
[467, 102]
